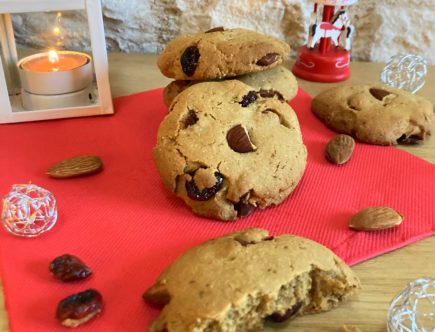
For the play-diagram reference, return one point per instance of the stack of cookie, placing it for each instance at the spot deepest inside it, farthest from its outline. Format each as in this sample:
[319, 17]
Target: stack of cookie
[220, 54]
[226, 147]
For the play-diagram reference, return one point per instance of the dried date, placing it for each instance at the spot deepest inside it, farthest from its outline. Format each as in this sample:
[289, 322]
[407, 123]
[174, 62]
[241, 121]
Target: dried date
[79, 308]
[69, 268]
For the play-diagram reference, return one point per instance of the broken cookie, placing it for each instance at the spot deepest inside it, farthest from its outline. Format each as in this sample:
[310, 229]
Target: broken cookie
[237, 281]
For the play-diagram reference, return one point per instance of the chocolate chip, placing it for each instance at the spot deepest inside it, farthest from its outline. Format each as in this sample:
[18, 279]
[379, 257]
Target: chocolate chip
[189, 60]
[69, 268]
[215, 29]
[248, 99]
[270, 94]
[291, 312]
[203, 195]
[268, 59]
[238, 140]
[79, 308]
[379, 94]
[409, 140]
[190, 119]
[244, 209]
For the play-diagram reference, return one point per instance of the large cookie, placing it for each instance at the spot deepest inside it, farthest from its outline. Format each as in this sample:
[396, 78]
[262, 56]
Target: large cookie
[278, 81]
[235, 282]
[219, 54]
[376, 114]
[225, 149]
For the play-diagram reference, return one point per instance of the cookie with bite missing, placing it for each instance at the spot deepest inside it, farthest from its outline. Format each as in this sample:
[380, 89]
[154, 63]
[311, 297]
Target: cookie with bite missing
[220, 53]
[237, 281]
[226, 149]
[375, 114]
[278, 82]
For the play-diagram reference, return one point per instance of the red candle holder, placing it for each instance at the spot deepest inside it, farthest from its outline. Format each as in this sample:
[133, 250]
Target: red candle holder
[326, 57]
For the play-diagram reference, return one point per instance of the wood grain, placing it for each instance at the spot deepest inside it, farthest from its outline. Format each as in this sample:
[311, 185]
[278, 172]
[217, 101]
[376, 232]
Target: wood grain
[381, 277]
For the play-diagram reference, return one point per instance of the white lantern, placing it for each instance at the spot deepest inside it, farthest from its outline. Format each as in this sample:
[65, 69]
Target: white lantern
[56, 84]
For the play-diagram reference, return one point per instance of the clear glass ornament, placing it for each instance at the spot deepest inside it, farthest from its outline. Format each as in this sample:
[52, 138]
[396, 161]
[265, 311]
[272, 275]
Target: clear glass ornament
[413, 309]
[405, 71]
[28, 210]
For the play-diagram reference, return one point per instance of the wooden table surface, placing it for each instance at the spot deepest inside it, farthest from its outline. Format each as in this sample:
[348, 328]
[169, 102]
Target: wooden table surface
[382, 278]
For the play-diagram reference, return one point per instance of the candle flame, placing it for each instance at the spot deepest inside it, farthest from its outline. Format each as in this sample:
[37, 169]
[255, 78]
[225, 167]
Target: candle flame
[53, 57]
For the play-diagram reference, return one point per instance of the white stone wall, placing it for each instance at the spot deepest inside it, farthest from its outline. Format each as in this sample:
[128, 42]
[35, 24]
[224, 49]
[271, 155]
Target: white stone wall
[383, 27]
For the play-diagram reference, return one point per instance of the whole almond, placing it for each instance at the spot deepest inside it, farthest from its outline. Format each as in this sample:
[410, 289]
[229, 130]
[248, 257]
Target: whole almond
[238, 139]
[339, 149]
[76, 166]
[375, 218]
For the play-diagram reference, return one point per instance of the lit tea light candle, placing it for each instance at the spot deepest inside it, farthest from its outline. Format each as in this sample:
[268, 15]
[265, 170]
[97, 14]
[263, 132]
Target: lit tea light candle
[55, 61]
[56, 79]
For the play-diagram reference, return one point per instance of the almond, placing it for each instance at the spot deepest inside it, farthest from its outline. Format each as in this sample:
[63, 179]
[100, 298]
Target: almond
[339, 149]
[375, 218]
[76, 166]
[379, 94]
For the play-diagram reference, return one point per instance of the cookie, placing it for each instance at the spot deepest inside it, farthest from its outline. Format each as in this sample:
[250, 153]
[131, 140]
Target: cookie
[278, 81]
[376, 114]
[235, 282]
[219, 54]
[226, 150]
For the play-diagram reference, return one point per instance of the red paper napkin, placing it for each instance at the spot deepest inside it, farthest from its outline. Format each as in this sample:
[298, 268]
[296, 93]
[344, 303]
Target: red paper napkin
[128, 228]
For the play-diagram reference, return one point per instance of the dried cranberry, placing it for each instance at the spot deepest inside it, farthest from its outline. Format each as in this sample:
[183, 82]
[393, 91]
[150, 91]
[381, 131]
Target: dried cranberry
[190, 119]
[189, 60]
[203, 195]
[248, 99]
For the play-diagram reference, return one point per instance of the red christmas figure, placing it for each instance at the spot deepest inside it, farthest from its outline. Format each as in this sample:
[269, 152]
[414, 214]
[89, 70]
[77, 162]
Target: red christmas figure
[319, 60]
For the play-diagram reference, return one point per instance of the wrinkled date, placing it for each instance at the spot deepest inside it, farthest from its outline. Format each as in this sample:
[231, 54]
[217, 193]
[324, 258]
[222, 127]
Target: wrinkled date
[204, 195]
[69, 268]
[189, 60]
[291, 312]
[79, 308]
